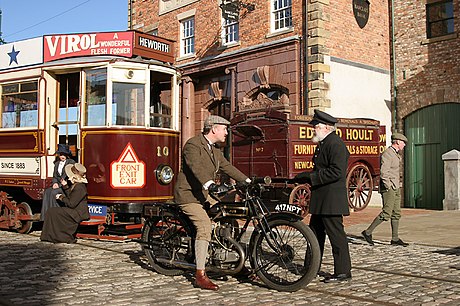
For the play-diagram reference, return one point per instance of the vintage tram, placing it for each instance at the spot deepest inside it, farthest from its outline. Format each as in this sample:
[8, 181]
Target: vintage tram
[113, 97]
[270, 143]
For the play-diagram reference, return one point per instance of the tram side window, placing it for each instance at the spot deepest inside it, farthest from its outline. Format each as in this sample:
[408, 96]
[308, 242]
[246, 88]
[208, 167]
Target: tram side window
[96, 88]
[19, 105]
[160, 100]
[128, 104]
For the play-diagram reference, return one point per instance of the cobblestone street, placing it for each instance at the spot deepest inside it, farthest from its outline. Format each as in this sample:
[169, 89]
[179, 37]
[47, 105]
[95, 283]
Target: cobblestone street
[116, 273]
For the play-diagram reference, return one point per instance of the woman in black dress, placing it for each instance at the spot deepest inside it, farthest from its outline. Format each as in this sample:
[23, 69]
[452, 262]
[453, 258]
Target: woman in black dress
[63, 158]
[61, 223]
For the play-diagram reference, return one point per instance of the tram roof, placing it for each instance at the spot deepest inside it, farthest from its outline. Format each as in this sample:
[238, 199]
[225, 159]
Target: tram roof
[102, 59]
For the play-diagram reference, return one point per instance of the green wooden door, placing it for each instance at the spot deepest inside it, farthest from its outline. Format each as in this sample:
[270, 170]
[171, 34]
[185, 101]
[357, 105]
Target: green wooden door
[432, 131]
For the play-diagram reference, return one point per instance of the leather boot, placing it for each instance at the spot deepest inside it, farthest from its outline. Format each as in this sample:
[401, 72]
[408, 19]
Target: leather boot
[202, 281]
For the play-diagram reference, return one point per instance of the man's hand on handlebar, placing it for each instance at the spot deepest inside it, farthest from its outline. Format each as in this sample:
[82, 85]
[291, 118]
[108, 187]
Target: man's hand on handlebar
[218, 189]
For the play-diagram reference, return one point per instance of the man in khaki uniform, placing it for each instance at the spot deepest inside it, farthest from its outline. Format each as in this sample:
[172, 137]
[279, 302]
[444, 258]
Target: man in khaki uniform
[201, 161]
[390, 189]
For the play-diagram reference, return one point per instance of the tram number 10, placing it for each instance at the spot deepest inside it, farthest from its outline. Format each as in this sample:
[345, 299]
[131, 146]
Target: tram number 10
[162, 151]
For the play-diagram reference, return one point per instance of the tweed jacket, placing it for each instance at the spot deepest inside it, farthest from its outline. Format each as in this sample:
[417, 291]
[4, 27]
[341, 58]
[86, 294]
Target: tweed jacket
[390, 162]
[200, 165]
[329, 194]
[75, 197]
[56, 176]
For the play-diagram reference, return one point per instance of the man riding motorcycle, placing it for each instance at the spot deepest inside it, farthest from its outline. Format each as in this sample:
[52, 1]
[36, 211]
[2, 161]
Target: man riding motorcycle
[201, 161]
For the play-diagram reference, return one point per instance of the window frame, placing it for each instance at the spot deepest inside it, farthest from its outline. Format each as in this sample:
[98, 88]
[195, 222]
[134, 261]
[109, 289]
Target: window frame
[187, 43]
[20, 91]
[276, 10]
[230, 28]
[430, 23]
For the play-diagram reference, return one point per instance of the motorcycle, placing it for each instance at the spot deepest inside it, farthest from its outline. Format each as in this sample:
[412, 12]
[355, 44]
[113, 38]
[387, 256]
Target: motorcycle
[282, 250]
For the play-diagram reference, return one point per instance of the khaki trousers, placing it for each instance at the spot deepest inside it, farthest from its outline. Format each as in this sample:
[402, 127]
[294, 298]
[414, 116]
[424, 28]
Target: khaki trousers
[391, 205]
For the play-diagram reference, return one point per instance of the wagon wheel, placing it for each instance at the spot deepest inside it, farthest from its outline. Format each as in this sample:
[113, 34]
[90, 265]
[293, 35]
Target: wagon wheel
[359, 185]
[23, 226]
[300, 196]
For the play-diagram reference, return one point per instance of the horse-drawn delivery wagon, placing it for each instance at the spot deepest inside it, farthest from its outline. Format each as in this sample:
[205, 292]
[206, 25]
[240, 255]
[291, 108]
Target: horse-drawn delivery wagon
[272, 144]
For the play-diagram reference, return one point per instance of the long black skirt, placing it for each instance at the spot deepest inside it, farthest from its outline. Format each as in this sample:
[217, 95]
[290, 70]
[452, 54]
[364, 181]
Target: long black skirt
[59, 226]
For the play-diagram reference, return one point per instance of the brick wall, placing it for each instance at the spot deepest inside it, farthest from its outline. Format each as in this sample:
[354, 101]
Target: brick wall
[254, 25]
[369, 45]
[428, 70]
[332, 31]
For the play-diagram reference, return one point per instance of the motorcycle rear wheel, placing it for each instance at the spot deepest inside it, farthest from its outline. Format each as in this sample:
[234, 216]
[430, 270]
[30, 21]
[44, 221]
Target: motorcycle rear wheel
[167, 237]
[297, 261]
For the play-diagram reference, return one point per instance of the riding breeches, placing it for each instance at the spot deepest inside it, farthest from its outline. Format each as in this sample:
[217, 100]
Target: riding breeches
[200, 219]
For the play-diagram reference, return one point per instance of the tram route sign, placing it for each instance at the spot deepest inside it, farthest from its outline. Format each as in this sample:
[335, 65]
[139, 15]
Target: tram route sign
[128, 171]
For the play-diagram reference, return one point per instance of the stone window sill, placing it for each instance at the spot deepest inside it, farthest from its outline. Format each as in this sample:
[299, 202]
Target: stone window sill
[437, 39]
[185, 57]
[280, 32]
[229, 45]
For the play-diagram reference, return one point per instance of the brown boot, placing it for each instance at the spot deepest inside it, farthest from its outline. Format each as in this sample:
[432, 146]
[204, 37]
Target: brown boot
[202, 281]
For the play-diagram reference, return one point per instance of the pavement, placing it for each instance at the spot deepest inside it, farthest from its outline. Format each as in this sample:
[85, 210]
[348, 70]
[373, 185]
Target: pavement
[420, 226]
[90, 272]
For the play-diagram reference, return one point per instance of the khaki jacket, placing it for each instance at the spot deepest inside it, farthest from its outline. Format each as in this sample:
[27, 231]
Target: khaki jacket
[200, 165]
[390, 163]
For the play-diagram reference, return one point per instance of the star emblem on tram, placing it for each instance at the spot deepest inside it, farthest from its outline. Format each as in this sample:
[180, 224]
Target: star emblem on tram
[13, 56]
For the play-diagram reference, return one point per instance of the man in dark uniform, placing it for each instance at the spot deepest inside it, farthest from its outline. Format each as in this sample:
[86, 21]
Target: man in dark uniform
[329, 202]
[201, 161]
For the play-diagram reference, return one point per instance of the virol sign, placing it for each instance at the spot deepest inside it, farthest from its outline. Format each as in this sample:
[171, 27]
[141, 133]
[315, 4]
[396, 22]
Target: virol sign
[71, 45]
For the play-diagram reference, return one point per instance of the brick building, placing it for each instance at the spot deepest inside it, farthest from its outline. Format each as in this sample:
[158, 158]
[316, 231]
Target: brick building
[292, 55]
[426, 76]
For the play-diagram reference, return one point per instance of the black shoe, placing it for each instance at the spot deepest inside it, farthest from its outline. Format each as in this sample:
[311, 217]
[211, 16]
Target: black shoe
[324, 274]
[399, 242]
[367, 237]
[338, 278]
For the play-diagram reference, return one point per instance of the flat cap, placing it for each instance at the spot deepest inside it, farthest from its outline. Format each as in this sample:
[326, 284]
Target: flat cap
[322, 117]
[213, 119]
[398, 136]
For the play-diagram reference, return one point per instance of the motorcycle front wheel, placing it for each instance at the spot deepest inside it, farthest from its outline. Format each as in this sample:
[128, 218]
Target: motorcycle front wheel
[167, 240]
[287, 258]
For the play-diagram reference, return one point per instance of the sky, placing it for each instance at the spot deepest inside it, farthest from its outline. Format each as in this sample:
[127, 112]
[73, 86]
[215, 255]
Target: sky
[22, 19]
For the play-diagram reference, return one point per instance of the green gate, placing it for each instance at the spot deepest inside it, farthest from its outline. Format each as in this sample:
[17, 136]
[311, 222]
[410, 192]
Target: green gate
[432, 131]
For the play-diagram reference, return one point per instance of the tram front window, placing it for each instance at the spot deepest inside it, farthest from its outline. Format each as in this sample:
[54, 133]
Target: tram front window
[160, 100]
[19, 105]
[128, 105]
[96, 86]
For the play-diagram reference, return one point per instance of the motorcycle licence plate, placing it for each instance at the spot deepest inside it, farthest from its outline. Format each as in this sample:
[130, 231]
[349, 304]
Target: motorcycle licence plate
[288, 208]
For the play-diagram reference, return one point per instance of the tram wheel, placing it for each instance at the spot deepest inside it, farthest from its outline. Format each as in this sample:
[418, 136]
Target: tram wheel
[25, 226]
[301, 196]
[359, 186]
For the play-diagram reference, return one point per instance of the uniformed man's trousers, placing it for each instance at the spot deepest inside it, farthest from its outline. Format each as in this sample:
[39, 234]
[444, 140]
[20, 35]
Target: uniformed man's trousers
[332, 225]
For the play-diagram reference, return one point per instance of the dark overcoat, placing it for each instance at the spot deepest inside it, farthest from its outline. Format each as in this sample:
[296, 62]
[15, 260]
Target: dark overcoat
[329, 192]
[61, 223]
[200, 165]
